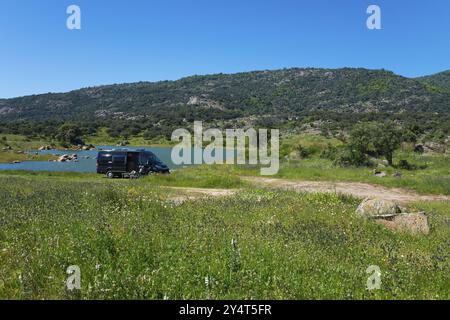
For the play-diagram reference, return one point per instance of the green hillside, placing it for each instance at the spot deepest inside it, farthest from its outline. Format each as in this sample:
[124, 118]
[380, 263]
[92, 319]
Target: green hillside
[441, 80]
[287, 98]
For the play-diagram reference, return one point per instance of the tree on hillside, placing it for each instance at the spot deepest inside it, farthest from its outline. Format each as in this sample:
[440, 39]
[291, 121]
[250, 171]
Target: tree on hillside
[386, 139]
[70, 133]
[374, 139]
[361, 138]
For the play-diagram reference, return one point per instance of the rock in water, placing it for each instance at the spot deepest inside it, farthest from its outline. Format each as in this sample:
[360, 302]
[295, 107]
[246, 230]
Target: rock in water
[378, 208]
[88, 147]
[48, 147]
[63, 158]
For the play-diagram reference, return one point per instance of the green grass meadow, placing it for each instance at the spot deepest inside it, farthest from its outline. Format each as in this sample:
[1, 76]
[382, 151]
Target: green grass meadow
[131, 242]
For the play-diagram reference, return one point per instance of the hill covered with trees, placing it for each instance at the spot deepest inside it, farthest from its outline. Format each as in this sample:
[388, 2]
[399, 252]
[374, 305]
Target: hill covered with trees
[288, 98]
[441, 79]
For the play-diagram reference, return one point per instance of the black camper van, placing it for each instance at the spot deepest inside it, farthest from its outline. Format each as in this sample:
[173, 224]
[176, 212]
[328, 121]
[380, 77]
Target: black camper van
[123, 162]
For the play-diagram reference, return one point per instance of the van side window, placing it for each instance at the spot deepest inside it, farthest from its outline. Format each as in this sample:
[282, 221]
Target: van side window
[105, 158]
[119, 159]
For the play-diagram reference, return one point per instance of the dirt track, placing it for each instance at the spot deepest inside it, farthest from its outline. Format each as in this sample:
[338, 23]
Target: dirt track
[356, 189]
[186, 194]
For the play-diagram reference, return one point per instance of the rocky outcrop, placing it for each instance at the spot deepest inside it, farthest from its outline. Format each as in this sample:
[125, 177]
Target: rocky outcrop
[433, 147]
[379, 174]
[88, 147]
[415, 223]
[378, 208]
[48, 147]
[123, 143]
[75, 148]
[392, 216]
[204, 101]
[68, 158]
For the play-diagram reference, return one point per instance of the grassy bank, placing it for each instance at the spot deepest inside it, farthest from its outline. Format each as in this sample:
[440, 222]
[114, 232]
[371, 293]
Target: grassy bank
[432, 173]
[131, 242]
[18, 144]
[12, 156]
[198, 177]
[435, 178]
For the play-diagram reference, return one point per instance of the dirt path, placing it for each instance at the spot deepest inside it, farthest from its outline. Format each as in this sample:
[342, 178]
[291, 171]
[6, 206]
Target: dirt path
[185, 194]
[356, 189]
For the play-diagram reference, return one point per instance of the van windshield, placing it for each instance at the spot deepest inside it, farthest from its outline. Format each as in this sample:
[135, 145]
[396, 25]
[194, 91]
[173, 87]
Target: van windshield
[150, 157]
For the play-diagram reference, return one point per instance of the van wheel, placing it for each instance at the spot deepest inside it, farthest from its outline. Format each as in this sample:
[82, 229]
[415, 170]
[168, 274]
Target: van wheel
[110, 175]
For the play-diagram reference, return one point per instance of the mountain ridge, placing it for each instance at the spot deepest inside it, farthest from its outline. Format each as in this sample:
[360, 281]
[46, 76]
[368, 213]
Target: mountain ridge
[425, 77]
[441, 79]
[288, 98]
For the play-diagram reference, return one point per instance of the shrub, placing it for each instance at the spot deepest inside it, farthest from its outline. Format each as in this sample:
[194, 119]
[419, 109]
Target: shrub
[349, 157]
[375, 139]
[329, 153]
[303, 152]
[405, 165]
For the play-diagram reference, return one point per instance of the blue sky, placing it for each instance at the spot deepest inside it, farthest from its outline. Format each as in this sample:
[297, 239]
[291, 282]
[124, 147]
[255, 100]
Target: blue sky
[147, 40]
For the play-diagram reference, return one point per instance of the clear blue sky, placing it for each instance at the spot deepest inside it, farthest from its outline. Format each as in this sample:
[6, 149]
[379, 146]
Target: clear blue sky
[137, 40]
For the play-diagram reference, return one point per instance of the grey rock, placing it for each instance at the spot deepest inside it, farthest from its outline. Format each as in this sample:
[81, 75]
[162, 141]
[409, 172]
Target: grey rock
[378, 208]
[397, 174]
[434, 147]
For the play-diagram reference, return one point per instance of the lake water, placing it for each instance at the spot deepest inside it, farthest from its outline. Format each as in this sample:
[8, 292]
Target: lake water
[83, 164]
[88, 164]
